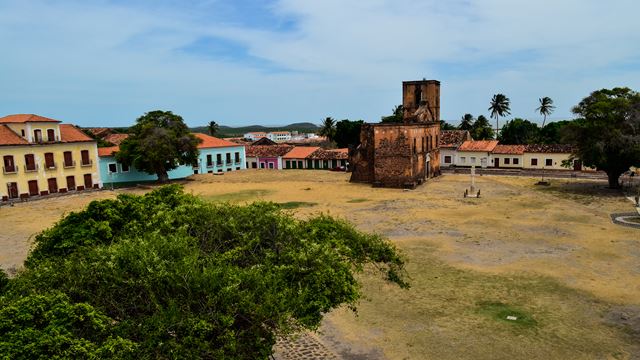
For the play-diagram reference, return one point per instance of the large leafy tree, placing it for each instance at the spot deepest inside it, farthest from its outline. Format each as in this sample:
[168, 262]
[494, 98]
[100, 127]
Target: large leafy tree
[328, 128]
[348, 133]
[213, 128]
[159, 142]
[552, 133]
[546, 108]
[481, 129]
[499, 106]
[519, 131]
[167, 275]
[607, 135]
[466, 122]
[397, 115]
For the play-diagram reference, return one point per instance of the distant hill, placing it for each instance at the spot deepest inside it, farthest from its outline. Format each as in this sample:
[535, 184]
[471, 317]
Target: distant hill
[228, 131]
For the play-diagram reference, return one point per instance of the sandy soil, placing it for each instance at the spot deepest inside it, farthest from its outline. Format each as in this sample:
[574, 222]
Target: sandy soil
[552, 251]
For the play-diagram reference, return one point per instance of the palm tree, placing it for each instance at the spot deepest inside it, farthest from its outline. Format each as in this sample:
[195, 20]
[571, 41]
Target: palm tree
[499, 107]
[546, 108]
[328, 128]
[466, 123]
[213, 128]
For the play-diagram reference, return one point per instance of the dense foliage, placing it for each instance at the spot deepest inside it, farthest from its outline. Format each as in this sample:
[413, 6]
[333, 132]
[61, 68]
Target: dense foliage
[328, 128]
[481, 129]
[519, 131]
[348, 133]
[397, 115]
[166, 275]
[499, 106]
[607, 135]
[159, 142]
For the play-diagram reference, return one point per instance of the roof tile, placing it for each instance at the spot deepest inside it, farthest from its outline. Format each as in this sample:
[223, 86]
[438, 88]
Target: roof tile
[23, 118]
[478, 145]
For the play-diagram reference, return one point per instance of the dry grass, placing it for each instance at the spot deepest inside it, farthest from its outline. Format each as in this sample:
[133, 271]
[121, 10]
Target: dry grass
[550, 255]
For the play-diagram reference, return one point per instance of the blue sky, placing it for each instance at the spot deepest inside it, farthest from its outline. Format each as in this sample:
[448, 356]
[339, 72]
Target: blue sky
[241, 62]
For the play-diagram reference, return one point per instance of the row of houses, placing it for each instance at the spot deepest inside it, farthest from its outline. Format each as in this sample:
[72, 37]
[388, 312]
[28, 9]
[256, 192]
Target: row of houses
[279, 136]
[458, 149]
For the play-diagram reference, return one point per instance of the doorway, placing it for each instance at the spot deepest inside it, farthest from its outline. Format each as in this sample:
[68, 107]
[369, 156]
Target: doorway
[12, 188]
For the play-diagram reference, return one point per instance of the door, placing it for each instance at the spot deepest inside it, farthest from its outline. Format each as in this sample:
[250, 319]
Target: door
[33, 187]
[48, 160]
[53, 185]
[71, 183]
[496, 162]
[51, 135]
[88, 181]
[37, 135]
[12, 188]
[577, 165]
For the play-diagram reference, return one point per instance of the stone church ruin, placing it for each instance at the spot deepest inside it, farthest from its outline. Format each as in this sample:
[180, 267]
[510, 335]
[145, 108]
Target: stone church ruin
[402, 155]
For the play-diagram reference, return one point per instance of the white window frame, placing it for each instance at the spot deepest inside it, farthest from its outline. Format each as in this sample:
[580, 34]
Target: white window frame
[109, 168]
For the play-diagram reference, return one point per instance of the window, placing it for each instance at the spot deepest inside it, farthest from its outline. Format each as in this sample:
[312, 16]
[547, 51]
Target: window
[219, 159]
[68, 159]
[219, 170]
[422, 144]
[237, 157]
[287, 165]
[195, 172]
[124, 167]
[228, 158]
[209, 160]
[228, 169]
[53, 185]
[9, 165]
[254, 165]
[414, 145]
[507, 161]
[534, 162]
[84, 154]
[463, 159]
[472, 159]
[447, 159]
[33, 187]
[548, 162]
[238, 168]
[210, 171]
[270, 165]
[37, 135]
[113, 168]
[51, 135]
[30, 162]
[316, 164]
[22, 133]
[516, 161]
[88, 181]
[48, 161]
[294, 164]
[262, 165]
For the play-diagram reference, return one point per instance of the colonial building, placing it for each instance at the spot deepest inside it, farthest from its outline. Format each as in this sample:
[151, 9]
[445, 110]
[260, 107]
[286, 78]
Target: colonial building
[41, 156]
[450, 141]
[476, 153]
[407, 154]
[266, 156]
[508, 156]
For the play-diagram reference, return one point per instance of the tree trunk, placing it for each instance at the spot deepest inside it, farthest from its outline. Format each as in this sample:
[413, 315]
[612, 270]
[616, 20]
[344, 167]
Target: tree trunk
[163, 177]
[613, 179]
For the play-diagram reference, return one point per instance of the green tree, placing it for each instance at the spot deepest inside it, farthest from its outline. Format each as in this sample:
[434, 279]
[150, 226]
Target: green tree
[213, 128]
[499, 107]
[348, 133]
[169, 275]
[607, 135]
[481, 129]
[397, 115]
[518, 132]
[328, 128]
[552, 133]
[546, 108]
[446, 126]
[159, 142]
[466, 123]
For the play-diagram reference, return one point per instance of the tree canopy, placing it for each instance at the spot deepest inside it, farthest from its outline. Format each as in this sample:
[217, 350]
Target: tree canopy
[607, 135]
[481, 129]
[546, 108]
[519, 132]
[213, 128]
[397, 115]
[466, 122]
[328, 128]
[499, 106]
[167, 275]
[159, 142]
[348, 133]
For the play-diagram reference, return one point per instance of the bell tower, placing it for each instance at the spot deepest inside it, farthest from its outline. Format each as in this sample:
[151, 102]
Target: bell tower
[421, 101]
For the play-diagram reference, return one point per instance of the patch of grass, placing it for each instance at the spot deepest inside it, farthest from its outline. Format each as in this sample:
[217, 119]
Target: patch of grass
[358, 200]
[296, 204]
[244, 195]
[500, 311]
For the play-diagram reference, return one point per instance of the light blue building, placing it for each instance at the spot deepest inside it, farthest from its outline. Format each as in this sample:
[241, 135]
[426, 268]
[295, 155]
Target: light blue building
[216, 155]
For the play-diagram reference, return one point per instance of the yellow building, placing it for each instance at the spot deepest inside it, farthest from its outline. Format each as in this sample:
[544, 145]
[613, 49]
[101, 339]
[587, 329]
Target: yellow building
[40, 156]
[549, 157]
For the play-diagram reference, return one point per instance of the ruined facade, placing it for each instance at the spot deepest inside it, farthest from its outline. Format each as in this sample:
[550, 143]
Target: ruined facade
[406, 154]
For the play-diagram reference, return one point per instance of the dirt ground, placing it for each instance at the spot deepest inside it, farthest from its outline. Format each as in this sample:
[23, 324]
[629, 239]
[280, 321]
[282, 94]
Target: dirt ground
[548, 255]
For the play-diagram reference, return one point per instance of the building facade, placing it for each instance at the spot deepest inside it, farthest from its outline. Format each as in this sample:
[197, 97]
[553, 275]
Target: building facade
[266, 156]
[508, 156]
[407, 154]
[476, 153]
[41, 156]
[450, 141]
[219, 155]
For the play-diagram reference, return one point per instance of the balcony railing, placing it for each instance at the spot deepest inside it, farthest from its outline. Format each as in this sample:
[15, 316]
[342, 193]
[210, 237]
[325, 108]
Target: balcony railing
[9, 170]
[86, 164]
[209, 165]
[68, 165]
[29, 169]
[219, 163]
[51, 166]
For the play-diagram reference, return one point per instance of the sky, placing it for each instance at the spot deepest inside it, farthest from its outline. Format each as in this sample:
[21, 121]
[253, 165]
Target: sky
[241, 62]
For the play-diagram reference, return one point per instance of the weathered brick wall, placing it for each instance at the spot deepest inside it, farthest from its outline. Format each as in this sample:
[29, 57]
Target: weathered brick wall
[361, 160]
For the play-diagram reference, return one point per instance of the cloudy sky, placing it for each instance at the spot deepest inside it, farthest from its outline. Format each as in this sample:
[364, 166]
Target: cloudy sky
[241, 62]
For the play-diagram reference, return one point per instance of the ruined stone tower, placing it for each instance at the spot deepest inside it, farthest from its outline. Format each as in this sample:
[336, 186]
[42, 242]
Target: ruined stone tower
[404, 154]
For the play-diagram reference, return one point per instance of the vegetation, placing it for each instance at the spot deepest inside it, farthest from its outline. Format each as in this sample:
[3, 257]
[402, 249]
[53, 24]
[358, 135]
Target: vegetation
[328, 128]
[466, 123]
[481, 129]
[166, 275]
[519, 131]
[229, 131]
[159, 142]
[499, 107]
[348, 133]
[213, 128]
[397, 115]
[546, 108]
[446, 126]
[296, 204]
[607, 136]
[101, 142]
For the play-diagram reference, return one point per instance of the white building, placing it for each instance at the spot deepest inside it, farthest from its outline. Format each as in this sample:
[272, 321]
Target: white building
[476, 153]
[450, 141]
[279, 136]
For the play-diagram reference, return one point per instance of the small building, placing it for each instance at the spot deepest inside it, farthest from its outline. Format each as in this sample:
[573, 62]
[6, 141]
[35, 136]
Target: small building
[279, 136]
[476, 153]
[508, 156]
[113, 172]
[266, 156]
[219, 155]
[41, 156]
[328, 159]
[551, 157]
[298, 156]
[255, 135]
[450, 141]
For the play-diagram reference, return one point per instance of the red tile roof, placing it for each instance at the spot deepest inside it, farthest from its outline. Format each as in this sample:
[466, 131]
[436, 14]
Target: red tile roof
[268, 150]
[509, 149]
[9, 137]
[480, 145]
[549, 148]
[115, 139]
[23, 118]
[107, 151]
[99, 132]
[300, 152]
[453, 138]
[212, 142]
[70, 133]
[322, 154]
